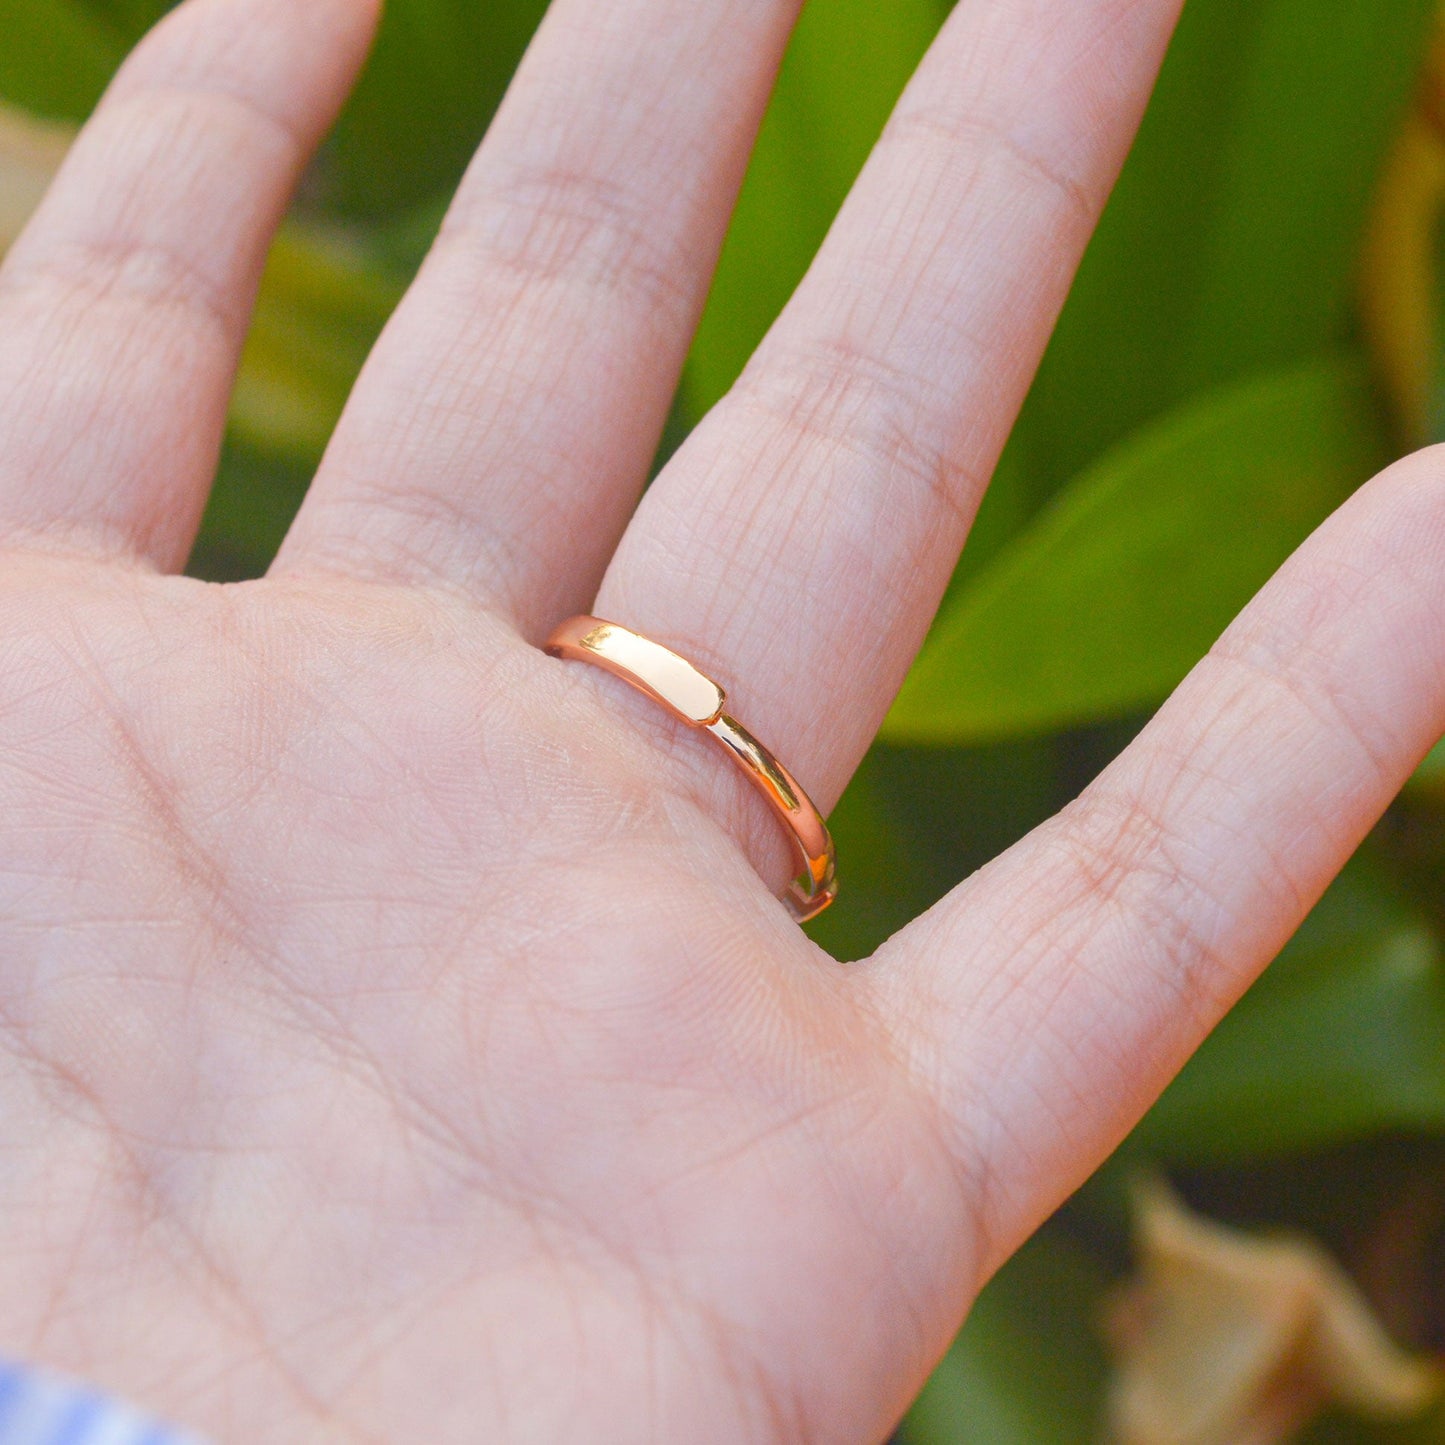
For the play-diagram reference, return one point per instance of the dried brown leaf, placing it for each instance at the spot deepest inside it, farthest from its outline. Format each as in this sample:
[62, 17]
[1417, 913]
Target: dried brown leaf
[1227, 1338]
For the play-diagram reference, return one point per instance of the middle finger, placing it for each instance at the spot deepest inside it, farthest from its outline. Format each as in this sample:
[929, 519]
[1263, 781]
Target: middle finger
[502, 430]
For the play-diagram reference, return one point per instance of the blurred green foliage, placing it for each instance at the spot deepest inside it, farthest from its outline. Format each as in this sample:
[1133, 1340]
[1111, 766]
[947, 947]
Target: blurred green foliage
[1206, 401]
[56, 57]
[1109, 598]
[1342, 1038]
[848, 61]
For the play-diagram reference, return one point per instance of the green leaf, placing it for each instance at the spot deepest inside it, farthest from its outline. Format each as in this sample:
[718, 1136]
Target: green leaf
[1429, 778]
[437, 73]
[898, 827]
[1231, 242]
[1028, 1367]
[1342, 1038]
[1104, 603]
[55, 57]
[129, 19]
[251, 506]
[848, 62]
[321, 307]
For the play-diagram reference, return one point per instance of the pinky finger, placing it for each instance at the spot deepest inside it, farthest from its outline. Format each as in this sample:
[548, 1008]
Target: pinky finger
[1050, 998]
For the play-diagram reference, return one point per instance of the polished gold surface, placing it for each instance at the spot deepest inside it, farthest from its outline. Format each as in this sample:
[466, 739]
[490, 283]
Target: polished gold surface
[698, 701]
[649, 667]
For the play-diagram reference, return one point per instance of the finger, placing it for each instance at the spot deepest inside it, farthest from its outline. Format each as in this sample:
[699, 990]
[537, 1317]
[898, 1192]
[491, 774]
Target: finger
[834, 487]
[502, 431]
[1050, 998]
[124, 304]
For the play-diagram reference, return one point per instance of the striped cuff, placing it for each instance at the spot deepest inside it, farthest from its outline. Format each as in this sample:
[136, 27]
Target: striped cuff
[38, 1408]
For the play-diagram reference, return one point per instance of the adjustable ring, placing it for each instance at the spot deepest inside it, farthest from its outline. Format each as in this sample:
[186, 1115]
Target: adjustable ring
[698, 701]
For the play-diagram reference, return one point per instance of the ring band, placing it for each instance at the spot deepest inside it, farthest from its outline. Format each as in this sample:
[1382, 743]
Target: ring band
[698, 701]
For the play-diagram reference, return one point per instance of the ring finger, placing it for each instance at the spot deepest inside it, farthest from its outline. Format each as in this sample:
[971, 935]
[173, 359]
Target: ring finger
[831, 491]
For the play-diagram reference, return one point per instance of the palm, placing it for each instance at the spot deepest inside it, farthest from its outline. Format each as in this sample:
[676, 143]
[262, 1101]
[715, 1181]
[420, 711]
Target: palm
[414, 990]
[401, 1038]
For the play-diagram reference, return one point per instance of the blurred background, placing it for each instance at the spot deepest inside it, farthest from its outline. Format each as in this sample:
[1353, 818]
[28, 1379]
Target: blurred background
[1255, 331]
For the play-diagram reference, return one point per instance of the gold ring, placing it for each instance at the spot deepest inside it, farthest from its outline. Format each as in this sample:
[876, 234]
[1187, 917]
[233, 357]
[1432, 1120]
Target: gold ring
[698, 701]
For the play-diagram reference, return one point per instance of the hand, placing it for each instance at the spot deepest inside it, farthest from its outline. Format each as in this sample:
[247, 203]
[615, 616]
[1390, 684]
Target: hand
[401, 1037]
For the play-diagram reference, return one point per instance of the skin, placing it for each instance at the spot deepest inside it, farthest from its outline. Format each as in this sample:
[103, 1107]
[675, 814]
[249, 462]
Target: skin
[399, 1036]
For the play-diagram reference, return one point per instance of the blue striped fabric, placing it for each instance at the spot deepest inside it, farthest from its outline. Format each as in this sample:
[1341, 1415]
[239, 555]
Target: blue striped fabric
[38, 1408]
